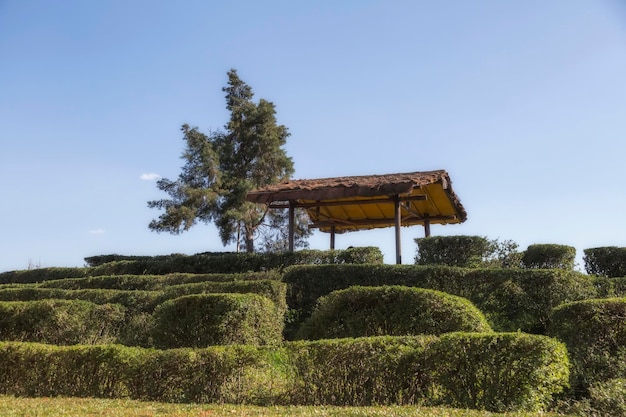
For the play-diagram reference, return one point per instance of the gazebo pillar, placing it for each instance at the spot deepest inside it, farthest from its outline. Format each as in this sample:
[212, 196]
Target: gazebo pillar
[332, 237]
[398, 224]
[292, 210]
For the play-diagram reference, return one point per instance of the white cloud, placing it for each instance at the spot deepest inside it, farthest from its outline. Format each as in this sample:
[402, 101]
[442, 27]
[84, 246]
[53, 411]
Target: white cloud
[96, 232]
[150, 176]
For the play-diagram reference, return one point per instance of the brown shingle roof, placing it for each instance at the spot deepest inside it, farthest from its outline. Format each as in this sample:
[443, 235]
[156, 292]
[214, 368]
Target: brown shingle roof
[364, 202]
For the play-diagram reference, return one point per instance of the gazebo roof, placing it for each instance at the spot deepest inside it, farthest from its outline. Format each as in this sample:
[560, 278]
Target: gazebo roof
[345, 204]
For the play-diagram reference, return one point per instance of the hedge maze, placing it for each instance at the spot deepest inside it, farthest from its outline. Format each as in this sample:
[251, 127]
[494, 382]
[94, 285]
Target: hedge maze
[325, 327]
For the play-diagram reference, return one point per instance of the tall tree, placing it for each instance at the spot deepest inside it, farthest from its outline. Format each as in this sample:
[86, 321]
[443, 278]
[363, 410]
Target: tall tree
[220, 169]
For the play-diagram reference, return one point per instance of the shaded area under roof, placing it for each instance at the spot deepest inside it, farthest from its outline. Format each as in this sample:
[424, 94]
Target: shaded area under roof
[345, 204]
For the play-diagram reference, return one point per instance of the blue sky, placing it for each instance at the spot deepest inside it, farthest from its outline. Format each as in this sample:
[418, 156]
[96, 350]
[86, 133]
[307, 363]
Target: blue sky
[522, 102]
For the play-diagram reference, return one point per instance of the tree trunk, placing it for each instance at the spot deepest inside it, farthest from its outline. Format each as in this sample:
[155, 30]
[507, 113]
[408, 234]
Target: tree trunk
[249, 241]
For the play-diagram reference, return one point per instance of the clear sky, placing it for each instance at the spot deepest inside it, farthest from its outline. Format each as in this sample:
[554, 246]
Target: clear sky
[523, 102]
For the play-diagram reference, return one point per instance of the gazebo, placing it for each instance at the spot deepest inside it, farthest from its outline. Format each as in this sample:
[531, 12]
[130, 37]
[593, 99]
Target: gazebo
[345, 204]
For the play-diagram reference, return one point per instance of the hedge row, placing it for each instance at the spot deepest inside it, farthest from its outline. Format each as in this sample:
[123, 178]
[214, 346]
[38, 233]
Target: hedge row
[60, 322]
[202, 263]
[594, 332]
[153, 282]
[486, 371]
[197, 320]
[511, 299]
[225, 262]
[391, 310]
[146, 301]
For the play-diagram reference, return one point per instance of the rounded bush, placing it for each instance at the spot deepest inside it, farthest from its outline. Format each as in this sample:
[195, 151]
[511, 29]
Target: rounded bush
[202, 320]
[594, 332]
[391, 310]
[549, 256]
[608, 261]
[466, 251]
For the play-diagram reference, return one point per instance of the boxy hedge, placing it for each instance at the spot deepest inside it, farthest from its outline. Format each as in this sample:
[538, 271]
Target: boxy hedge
[549, 256]
[607, 261]
[153, 282]
[594, 332]
[202, 320]
[510, 299]
[226, 262]
[486, 371]
[60, 322]
[391, 310]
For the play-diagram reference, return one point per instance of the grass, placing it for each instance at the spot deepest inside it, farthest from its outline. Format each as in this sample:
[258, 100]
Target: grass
[74, 407]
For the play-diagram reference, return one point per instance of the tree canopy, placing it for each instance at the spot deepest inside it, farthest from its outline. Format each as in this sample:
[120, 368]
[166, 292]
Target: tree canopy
[221, 167]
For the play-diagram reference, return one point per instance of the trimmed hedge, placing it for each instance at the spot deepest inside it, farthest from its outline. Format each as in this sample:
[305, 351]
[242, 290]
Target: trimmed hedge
[510, 299]
[202, 263]
[202, 320]
[41, 274]
[391, 310]
[146, 301]
[60, 322]
[608, 261]
[549, 256]
[463, 251]
[507, 372]
[153, 282]
[594, 332]
[225, 262]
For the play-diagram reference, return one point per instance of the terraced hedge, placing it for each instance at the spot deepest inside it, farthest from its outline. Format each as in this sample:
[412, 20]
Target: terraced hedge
[510, 299]
[391, 310]
[486, 371]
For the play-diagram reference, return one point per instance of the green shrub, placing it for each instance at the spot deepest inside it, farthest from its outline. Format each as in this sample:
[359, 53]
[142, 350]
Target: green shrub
[226, 262]
[153, 282]
[549, 256]
[274, 290]
[608, 398]
[510, 372]
[391, 310]
[235, 374]
[40, 275]
[594, 332]
[202, 320]
[60, 322]
[510, 299]
[359, 372]
[497, 372]
[609, 261]
[463, 251]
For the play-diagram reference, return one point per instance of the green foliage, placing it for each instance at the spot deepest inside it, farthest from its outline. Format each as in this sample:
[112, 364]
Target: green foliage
[497, 372]
[222, 167]
[359, 372]
[608, 261]
[202, 320]
[60, 322]
[463, 251]
[594, 332]
[153, 282]
[549, 256]
[608, 398]
[391, 310]
[229, 262]
[40, 274]
[512, 372]
[511, 299]
[486, 371]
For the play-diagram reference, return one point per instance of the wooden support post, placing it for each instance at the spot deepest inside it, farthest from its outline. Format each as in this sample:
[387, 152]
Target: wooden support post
[292, 210]
[426, 226]
[398, 222]
[332, 237]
